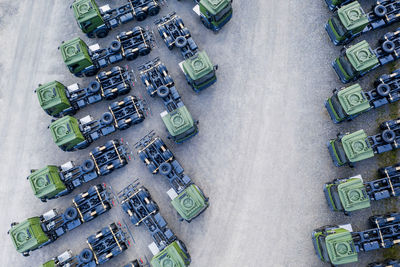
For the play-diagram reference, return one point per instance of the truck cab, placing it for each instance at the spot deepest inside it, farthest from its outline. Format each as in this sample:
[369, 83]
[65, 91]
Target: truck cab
[347, 195]
[333, 4]
[355, 61]
[88, 17]
[66, 133]
[347, 103]
[52, 98]
[174, 254]
[46, 182]
[76, 56]
[214, 14]
[180, 124]
[334, 244]
[199, 71]
[350, 148]
[349, 20]
[28, 235]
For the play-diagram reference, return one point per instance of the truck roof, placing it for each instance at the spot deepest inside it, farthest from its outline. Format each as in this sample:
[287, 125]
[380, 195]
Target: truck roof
[74, 51]
[52, 96]
[178, 121]
[356, 146]
[85, 10]
[198, 65]
[170, 256]
[189, 203]
[65, 131]
[361, 56]
[28, 235]
[214, 6]
[353, 99]
[353, 194]
[352, 16]
[46, 182]
[340, 246]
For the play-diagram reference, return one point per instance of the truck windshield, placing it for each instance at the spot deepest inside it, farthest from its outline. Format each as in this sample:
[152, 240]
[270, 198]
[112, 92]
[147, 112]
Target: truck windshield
[322, 246]
[338, 26]
[335, 197]
[186, 135]
[337, 107]
[205, 78]
[347, 66]
[223, 12]
[340, 151]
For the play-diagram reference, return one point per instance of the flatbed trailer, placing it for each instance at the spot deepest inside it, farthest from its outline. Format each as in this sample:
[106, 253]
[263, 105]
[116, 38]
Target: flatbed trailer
[106, 244]
[52, 181]
[177, 118]
[351, 21]
[186, 197]
[349, 102]
[167, 249]
[359, 59]
[58, 100]
[82, 60]
[339, 244]
[71, 134]
[347, 149]
[39, 231]
[200, 73]
[97, 21]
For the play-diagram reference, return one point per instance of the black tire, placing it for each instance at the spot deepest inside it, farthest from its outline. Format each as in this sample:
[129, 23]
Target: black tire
[140, 14]
[162, 91]
[102, 76]
[388, 136]
[86, 255]
[107, 118]
[70, 214]
[383, 89]
[91, 72]
[388, 46]
[180, 41]
[144, 49]
[88, 165]
[94, 87]
[380, 10]
[153, 9]
[123, 89]
[102, 33]
[131, 55]
[115, 46]
[165, 168]
[109, 95]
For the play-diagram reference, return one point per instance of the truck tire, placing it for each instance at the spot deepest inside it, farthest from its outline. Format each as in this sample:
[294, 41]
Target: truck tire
[144, 49]
[151, 207]
[122, 125]
[388, 46]
[380, 10]
[383, 89]
[168, 41]
[107, 118]
[162, 91]
[388, 136]
[115, 70]
[131, 55]
[101, 33]
[123, 36]
[109, 95]
[165, 168]
[70, 214]
[88, 165]
[162, 68]
[115, 46]
[123, 89]
[86, 255]
[153, 9]
[180, 42]
[109, 145]
[94, 87]
[140, 14]
[91, 72]
[102, 76]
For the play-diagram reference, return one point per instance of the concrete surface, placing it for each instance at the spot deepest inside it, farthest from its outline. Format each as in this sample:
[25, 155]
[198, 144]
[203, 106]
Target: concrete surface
[260, 155]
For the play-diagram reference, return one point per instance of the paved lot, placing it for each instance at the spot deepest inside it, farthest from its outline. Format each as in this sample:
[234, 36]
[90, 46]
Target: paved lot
[260, 155]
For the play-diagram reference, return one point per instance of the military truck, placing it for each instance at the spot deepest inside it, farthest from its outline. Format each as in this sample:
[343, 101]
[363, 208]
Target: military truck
[347, 149]
[214, 14]
[58, 100]
[350, 21]
[186, 197]
[53, 181]
[97, 21]
[39, 231]
[197, 67]
[386, 263]
[335, 4]
[339, 244]
[349, 102]
[359, 59]
[177, 118]
[82, 60]
[167, 249]
[352, 194]
[71, 134]
[106, 244]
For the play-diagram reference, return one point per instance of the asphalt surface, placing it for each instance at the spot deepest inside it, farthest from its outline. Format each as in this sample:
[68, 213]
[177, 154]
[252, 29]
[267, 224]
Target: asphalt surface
[260, 155]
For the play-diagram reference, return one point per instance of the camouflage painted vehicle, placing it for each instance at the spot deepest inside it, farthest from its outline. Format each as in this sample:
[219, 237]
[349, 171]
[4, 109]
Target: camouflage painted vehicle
[97, 21]
[339, 244]
[350, 21]
[347, 149]
[39, 231]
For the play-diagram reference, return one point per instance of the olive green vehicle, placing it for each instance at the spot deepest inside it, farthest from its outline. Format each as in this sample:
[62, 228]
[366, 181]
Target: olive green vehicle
[190, 203]
[214, 14]
[175, 254]
[66, 134]
[52, 98]
[46, 183]
[180, 124]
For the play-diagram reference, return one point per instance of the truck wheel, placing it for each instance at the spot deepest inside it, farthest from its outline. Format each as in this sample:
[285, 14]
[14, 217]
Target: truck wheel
[388, 136]
[388, 46]
[178, 22]
[383, 89]
[91, 72]
[153, 9]
[151, 167]
[140, 14]
[86, 255]
[115, 70]
[109, 145]
[122, 125]
[70, 213]
[136, 30]
[134, 218]
[150, 90]
[168, 41]
[88, 165]
[162, 68]
[109, 95]
[151, 207]
[186, 32]
[107, 118]
[115, 46]
[380, 10]
[101, 33]
[131, 55]
[165, 168]
[162, 91]
[180, 41]
[94, 87]
[102, 76]
[123, 36]
[142, 155]
[144, 49]
[123, 89]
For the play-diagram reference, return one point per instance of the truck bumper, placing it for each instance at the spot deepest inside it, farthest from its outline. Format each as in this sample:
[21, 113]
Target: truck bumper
[340, 73]
[331, 112]
[222, 24]
[333, 154]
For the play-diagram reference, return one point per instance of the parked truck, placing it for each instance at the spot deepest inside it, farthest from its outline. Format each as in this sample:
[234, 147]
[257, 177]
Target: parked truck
[339, 244]
[200, 73]
[214, 14]
[347, 149]
[106, 244]
[39, 231]
[335, 4]
[349, 102]
[176, 118]
[186, 197]
[353, 193]
[97, 21]
[359, 59]
[82, 60]
[350, 21]
[71, 134]
[53, 181]
[58, 100]
[167, 249]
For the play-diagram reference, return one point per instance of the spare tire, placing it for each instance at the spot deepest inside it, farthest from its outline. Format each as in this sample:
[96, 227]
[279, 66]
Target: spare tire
[115, 46]
[383, 89]
[165, 168]
[388, 46]
[180, 41]
[88, 165]
[94, 87]
[162, 91]
[70, 213]
[388, 136]
[107, 118]
[380, 10]
[86, 255]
